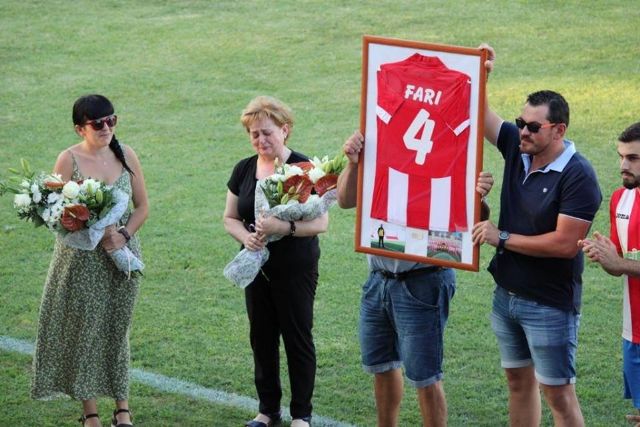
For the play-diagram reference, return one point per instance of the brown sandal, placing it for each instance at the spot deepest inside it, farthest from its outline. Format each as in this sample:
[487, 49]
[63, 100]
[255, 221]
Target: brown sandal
[114, 420]
[84, 418]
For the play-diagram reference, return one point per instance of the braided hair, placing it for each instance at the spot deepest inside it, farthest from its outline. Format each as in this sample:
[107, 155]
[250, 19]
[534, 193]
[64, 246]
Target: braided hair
[91, 107]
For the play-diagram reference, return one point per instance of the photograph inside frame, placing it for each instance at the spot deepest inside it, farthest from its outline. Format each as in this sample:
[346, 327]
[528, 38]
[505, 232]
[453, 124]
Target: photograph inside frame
[423, 151]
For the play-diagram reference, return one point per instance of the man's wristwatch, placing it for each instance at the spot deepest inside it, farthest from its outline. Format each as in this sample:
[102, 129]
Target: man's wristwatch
[502, 239]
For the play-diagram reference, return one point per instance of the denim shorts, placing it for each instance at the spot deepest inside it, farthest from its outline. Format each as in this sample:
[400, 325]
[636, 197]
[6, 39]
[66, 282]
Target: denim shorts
[631, 371]
[402, 323]
[529, 333]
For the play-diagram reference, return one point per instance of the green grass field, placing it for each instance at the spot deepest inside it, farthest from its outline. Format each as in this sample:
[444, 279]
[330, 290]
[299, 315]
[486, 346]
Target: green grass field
[179, 73]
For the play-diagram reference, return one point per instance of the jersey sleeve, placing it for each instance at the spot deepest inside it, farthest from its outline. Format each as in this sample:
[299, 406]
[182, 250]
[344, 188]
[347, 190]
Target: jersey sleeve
[455, 111]
[613, 227]
[389, 96]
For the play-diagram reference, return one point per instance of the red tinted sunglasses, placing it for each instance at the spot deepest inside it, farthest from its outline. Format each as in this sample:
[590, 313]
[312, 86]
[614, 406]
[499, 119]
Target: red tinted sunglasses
[533, 127]
[99, 123]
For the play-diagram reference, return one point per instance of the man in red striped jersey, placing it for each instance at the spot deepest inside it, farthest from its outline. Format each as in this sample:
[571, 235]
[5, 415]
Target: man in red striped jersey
[619, 256]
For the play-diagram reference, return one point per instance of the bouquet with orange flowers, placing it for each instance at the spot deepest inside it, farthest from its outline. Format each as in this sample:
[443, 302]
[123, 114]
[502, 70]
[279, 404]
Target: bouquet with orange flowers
[78, 211]
[295, 192]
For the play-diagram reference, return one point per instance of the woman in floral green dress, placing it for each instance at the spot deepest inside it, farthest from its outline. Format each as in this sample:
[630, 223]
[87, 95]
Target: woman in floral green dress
[82, 349]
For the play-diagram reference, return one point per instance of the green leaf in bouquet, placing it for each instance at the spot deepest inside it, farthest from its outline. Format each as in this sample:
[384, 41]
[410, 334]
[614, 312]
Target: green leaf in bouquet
[37, 221]
[107, 204]
[99, 196]
[103, 212]
[26, 168]
[4, 188]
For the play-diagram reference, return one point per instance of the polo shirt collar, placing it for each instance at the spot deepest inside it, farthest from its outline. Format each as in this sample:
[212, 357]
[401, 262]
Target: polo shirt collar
[558, 164]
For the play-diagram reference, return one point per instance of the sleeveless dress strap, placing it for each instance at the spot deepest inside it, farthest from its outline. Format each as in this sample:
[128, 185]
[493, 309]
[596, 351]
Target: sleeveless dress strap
[76, 170]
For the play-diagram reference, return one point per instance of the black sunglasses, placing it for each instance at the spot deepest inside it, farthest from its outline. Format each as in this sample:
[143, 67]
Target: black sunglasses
[533, 127]
[99, 123]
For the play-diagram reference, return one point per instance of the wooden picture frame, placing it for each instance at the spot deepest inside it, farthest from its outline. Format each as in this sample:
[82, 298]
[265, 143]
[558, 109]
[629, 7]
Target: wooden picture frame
[420, 208]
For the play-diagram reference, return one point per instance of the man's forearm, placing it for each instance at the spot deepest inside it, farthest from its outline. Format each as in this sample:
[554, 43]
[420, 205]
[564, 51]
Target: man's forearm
[348, 186]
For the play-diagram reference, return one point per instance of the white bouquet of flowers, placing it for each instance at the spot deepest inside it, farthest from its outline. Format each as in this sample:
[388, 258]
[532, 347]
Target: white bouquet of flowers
[287, 195]
[78, 212]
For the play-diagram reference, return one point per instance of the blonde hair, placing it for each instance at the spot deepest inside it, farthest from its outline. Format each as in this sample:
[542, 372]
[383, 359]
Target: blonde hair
[267, 107]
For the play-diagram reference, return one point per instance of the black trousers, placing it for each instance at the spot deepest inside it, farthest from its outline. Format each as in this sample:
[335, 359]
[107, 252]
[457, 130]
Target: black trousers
[283, 305]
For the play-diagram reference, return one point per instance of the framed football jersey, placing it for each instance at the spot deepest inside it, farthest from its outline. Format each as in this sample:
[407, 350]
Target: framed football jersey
[422, 114]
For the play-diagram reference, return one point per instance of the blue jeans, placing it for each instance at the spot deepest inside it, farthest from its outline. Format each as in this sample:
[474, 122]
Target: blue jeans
[530, 333]
[402, 322]
[631, 371]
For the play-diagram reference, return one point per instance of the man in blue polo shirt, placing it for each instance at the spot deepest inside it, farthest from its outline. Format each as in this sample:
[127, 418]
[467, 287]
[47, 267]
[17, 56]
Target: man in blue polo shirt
[550, 195]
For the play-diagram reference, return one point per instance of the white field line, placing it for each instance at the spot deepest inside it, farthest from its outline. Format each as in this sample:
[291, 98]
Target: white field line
[174, 385]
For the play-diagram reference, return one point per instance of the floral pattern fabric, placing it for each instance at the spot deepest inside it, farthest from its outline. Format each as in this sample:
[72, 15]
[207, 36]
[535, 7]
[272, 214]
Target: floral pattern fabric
[82, 349]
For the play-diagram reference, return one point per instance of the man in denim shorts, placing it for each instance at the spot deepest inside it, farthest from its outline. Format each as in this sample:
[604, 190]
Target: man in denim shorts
[403, 313]
[619, 256]
[550, 195]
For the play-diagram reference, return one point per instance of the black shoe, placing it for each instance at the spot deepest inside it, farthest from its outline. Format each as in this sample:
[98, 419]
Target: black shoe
[84, 418]
[274, 420]
[114, 420]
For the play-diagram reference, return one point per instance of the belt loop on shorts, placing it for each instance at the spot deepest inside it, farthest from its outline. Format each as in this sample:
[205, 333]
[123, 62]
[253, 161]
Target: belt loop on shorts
[404, 275]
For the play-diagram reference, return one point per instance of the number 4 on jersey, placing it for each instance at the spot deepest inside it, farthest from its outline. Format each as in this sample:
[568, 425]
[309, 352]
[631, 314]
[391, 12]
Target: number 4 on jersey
[422, 146]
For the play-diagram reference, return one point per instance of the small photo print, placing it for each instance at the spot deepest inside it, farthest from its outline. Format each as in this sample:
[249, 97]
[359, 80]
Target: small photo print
[417, 241]
[387, 236]
[445, 245]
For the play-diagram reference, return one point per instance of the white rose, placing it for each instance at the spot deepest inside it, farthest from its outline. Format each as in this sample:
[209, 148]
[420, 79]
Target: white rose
[71, 190]
[34, 188]
[21, 200]
[25, 184]
[37, 196]
[315, 174]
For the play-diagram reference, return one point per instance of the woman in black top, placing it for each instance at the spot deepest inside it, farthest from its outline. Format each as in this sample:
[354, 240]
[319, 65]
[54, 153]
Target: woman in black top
[280, 299]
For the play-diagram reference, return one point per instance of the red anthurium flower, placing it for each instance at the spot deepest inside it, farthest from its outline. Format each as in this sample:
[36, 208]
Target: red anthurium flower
[301, 185]
[305, 166]
[74, 217]
[51, 185]
[326, 183]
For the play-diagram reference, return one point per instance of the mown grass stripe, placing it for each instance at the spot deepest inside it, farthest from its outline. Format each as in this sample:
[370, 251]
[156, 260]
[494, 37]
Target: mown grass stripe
[174, 385]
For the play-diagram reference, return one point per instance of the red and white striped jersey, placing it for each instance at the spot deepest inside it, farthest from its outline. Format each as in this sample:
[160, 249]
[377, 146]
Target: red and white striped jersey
[625, 234]
[423, 133]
